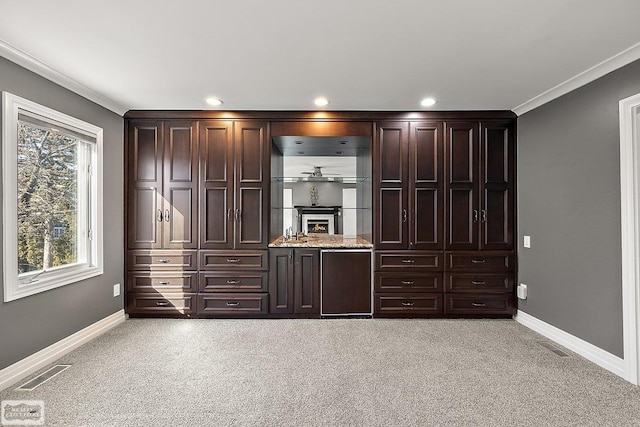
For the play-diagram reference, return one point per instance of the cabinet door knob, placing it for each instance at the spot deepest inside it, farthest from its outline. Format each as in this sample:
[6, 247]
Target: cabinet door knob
[404, 215]
[408, 282]
[238, 215]
[166, 215]
[164, 261]
[230, 215]
[159, 215]
[408, 261]
[484, 215]
[407, 304]
[162, 304]
[478, 304]
[163, 283]
[478, 261]
[478, 282]
[234, 282]
[475, 215]
[233, 304]
[233, 260]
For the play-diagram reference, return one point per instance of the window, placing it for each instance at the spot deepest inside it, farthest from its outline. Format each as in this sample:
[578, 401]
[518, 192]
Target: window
[52, 198]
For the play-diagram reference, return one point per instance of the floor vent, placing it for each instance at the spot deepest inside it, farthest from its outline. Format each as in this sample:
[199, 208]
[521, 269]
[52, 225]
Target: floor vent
[42, 378]
[553, 348]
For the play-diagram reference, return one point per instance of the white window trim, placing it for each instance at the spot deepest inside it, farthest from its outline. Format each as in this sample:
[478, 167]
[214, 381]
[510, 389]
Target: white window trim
[56, 277]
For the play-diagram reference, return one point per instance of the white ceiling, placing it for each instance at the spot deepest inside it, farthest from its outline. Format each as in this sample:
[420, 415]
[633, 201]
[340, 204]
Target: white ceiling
[280, 54]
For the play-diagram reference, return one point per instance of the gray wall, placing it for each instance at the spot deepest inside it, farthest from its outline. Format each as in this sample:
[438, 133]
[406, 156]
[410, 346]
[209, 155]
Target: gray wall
[569, 203]
[30, 324]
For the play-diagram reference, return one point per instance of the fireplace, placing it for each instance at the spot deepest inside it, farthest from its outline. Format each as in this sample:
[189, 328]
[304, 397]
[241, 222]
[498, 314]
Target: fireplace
[318, 219]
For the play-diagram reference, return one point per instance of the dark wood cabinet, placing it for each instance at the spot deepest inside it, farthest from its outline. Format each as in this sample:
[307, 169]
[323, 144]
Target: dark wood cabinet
[162, 178]
[198, 199]
[480, 185]
[233, 165]
[294, 281]
[162, 217]
[409, 185]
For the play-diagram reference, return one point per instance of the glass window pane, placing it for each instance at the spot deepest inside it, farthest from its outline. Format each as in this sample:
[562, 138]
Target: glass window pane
[47, 197]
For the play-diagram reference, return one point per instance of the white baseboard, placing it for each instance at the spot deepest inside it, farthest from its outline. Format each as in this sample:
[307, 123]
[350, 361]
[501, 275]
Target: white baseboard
[31, 364]
[589, 351]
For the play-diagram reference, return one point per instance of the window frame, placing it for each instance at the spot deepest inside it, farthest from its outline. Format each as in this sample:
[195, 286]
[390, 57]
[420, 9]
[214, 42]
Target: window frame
[19, 286]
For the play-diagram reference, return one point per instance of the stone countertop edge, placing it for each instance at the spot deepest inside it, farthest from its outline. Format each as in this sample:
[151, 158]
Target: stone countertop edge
[331, 241]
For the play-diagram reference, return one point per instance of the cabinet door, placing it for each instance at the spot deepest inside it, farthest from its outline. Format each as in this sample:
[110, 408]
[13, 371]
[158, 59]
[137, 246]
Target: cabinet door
[307, 281]
[462, 185]
[217, 211]
[497, 185]
[281, 280]
[144, 185]
[180, 187]
[252, 184]
[426, 182]
[390, 178]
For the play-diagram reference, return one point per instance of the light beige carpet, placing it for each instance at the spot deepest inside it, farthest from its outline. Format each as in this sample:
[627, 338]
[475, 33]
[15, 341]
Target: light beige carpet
[331, 372]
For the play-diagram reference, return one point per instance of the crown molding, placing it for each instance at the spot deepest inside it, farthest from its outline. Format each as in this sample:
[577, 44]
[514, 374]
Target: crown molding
[25, 60]
[619, 60]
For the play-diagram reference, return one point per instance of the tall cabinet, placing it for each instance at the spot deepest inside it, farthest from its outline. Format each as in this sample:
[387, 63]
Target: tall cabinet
[444, 222]
[162, 213]
[480, 184]
[409, 199]
[233, 218]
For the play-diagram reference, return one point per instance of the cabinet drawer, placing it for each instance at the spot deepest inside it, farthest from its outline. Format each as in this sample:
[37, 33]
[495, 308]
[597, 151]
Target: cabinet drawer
[469, 304]
[409, 260]
[233, 303]
[233, 282]
[162, 260]
[232, 260]
[478, 261]
[408, 282]
[183, 304]
[170, 281]
[479, 283]
[407, 305]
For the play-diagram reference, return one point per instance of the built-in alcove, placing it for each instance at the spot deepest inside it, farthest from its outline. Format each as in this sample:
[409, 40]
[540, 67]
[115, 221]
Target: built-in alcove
[321, 178]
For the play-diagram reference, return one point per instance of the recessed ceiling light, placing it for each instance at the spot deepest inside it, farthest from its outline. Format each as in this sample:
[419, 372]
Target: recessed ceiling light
[321, 101]
[214, 101]
[428, 102]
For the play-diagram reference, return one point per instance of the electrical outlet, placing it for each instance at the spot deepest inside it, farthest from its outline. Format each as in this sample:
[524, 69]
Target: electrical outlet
[527, 241]
[522, 291]
[116, 290]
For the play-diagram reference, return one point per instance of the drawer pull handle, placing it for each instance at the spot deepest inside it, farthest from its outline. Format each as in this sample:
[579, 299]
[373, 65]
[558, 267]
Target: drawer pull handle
[233, 282]
[478, 282]
[162, 304]
[233, 260]
[478, 261]
[408, 282]
[163, 283]
[407, 304]
[408, 261]
[233, 304]
[164, 261]
[478, 304]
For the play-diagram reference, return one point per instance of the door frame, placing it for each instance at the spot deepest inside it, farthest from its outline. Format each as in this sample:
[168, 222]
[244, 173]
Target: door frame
[630, 228]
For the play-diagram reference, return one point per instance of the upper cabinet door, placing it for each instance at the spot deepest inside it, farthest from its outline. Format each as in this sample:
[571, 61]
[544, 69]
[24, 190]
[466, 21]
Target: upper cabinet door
[462, 187]
[252, 184]
[144, 185]
[180, 189]
[426, 186]
[390, 179]
[497, 185]
[217, 211]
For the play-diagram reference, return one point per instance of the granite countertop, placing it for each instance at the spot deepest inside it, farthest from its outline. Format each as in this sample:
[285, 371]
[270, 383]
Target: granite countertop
[322, 241]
